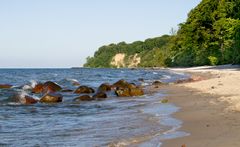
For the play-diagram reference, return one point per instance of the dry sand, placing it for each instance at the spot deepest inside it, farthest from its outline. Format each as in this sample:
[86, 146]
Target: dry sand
[225, 82]
[210, 108]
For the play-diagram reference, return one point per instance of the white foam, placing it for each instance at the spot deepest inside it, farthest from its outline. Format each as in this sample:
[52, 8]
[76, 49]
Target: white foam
[33, 83]
[72, 80]
[166, 77]
[26, 87]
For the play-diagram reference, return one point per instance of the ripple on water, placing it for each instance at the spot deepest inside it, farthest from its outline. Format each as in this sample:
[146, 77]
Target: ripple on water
[141, 120]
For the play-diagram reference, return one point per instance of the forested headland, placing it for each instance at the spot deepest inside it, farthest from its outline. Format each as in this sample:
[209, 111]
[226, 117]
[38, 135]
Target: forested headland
[210, 36]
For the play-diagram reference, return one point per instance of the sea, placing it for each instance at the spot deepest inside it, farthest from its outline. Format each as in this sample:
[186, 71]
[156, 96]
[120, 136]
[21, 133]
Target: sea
[142, 121]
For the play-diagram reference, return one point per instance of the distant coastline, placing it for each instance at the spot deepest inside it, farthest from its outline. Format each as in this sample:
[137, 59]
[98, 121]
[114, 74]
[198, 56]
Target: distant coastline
[210, 36]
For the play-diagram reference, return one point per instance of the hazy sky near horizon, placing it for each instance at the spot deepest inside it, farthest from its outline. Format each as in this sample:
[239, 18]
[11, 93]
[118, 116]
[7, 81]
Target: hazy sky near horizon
[62, 33]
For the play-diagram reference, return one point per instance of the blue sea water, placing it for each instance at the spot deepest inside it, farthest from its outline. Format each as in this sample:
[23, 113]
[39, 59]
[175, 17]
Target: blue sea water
[138, 121]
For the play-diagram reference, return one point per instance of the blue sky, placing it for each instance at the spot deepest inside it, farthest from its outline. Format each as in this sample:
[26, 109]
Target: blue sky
[62, 33]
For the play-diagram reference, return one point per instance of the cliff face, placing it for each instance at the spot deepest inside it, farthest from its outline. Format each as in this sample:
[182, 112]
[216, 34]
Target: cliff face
[121, 60]
[136, 54]
[118, 60]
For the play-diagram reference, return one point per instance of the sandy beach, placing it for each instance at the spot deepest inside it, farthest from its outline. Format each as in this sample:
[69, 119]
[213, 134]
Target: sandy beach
[210, 106]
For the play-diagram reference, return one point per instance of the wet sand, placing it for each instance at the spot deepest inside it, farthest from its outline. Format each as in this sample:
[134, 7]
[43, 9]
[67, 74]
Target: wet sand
[209, 108]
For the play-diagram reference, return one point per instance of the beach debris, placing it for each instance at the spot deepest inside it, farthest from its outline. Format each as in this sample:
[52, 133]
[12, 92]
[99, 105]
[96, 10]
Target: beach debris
[51, 98]
[84, 89]
[5, 86]
[100, 95]
[164, 101]
[104, 87]
[193, 78]
[84, 98]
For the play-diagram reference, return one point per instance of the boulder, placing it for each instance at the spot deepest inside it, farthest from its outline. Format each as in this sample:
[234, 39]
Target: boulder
[157, 83]
[136, 92]
[51, 87]
[5, 86]
[124, 84]
[84, 89]
[22, 98]
[51, 98]
[66, 90]
[132, 85]
[38, 88]
[105, 87]
[100, 95]
[123, 92]
[128, 92]
[121, 83]
[84, 98]
[29, 100]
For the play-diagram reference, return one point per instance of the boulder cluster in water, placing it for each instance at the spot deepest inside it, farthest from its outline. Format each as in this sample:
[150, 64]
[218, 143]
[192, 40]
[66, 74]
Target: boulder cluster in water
[51, 92]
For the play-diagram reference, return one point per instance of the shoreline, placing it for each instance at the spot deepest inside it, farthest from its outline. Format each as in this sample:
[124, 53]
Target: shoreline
[209, 107]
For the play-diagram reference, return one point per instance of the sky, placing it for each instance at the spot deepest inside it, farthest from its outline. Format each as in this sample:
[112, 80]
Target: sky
[62, 33]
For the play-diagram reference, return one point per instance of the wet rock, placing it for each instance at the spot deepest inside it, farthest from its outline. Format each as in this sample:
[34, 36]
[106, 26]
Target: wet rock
[132, 85]
[100, 95]
[124, 84]
[105, 87]
[51, 98]
[157, 83]
[66, 90]
[22, 98]
[123, 92]
[141, 79]
[84, 89]
[29, 100]
[38, 88]
[136, 92]
[128, 92]
[121, 83]
[5, 86]
[84, 98]
[50, 87]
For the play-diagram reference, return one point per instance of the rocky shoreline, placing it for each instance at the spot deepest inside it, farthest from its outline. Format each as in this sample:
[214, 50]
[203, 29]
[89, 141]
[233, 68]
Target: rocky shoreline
[51, 92]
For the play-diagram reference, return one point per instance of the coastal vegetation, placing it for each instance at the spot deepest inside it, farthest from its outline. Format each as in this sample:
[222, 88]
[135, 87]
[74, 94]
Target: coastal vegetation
[210, 36]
